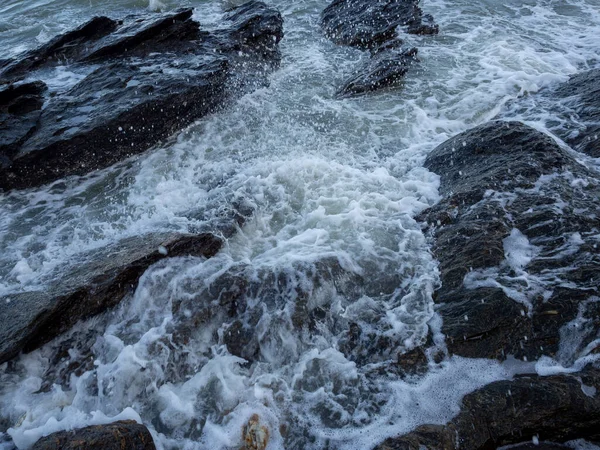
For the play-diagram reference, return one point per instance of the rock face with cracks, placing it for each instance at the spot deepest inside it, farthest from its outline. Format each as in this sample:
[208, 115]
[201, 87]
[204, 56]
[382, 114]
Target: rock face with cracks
[515, 235]
[148, 77]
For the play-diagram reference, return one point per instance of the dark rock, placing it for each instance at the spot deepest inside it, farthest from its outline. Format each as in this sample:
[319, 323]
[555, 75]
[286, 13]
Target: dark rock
[34, 318]
[570, 110]
[384, 68]
[62, 49]
[510, 192]
[124, 434]
[540, 446]
[581, 95]
[553, 408]
[20, 106]
[243, 298]
[157, 75]
[369, 23]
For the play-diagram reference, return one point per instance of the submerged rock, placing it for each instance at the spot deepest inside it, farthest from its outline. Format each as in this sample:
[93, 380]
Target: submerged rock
[20, 109]
[516, 238]
[554, 408]
[156, 75]
[33, 318]
[369, 23]
[124, 434]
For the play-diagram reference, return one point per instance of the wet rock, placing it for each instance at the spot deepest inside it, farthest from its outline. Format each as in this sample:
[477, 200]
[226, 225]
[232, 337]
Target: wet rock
[570, 110]
[581, 95]
[369, 23]
[156, 75]
[124, 434]
[514, 235]
[385, 68]
[251, 309]
[255, 435]
[553, 408]
[87, 289]
[20, 105]
[71, 46]
[372, 24]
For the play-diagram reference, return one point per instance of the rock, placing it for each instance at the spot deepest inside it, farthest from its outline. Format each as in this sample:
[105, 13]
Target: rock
[581, 95]
[229, 304]
[372, 24]
[71, 46]
[570, 110]
[156, 75]
[107, 275]
[124, 434]
[369, 23]
[255, 435]
[384, 68]
[514, 235]
[553, 408]
[20, 105]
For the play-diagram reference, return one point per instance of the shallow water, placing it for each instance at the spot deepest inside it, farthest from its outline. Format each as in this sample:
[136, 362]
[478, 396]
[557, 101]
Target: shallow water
[334, 183]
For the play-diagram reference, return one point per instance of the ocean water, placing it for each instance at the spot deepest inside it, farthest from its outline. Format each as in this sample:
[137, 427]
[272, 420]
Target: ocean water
[335, 186]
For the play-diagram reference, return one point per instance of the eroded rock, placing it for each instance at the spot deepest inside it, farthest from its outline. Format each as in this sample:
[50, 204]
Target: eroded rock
[369, 23]
[385, 68]
[372, 24]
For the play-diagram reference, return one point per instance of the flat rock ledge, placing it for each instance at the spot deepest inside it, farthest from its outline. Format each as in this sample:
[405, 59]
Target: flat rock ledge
[372, 25]
[121, 435]
[146, 77]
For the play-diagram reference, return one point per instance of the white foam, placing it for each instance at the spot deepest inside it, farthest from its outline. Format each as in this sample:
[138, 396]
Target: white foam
[327, 179]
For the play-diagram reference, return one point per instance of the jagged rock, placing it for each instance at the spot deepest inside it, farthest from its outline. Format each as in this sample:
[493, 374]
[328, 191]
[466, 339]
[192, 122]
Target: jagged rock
[124, 434]
[369, 23]
[157, 74]
[372, 24]
[33, 318]
[20, 105]
[385, 68]
[515, 238]
[71, 46]
[554, 408]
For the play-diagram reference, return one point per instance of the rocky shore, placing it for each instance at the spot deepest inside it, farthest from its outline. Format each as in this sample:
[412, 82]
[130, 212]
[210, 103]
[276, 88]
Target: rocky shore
[516, 232]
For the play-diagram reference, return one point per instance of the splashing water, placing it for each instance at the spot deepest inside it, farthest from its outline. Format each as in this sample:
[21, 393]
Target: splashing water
[299, 321]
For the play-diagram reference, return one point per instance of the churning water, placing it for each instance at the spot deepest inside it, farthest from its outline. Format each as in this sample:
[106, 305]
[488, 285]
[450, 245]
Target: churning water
[332, 243]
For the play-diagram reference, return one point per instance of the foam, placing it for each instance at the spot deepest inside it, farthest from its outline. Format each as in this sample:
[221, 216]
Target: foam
[328, 180]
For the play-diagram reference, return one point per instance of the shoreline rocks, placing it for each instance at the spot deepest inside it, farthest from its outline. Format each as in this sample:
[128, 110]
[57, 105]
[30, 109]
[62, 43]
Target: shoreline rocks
[515, 238]
[371, 25]
[150, 76]
[556, 408]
